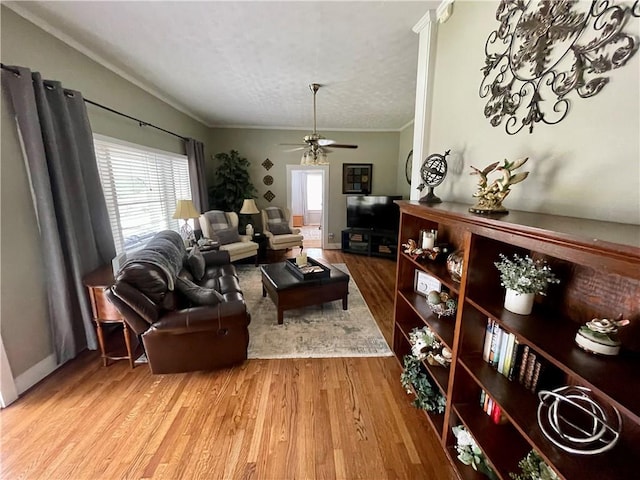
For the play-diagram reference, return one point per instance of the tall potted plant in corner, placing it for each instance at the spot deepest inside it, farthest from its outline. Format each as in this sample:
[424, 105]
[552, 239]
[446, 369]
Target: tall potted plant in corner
[232, 183]
[523, 277]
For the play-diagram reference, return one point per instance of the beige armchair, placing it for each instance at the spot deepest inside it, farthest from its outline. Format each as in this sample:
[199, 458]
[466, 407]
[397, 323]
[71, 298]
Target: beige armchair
[223, 227]
[276, 224]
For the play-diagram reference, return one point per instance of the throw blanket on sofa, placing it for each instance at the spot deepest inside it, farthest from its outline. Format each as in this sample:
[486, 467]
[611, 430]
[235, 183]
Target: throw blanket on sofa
[165, 251]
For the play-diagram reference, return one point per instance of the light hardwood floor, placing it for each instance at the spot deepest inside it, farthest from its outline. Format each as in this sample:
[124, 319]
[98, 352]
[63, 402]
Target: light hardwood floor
[343, 418]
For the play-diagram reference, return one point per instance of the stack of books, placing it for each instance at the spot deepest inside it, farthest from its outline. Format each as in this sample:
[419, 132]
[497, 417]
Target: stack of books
[508, 356]
[491, 408]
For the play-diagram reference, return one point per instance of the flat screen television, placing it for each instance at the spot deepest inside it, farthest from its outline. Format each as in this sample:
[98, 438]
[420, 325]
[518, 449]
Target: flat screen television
[371, 211]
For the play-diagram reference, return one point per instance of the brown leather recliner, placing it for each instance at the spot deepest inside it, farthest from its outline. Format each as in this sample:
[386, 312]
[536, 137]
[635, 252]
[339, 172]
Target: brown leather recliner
[186, 323]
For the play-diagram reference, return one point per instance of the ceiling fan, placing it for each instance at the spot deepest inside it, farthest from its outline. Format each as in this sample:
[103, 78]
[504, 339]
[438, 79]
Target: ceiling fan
[315, 145]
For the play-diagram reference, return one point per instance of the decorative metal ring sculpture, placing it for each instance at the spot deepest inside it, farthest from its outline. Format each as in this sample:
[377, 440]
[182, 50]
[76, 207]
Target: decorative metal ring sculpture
[545, 49]
[558, 414]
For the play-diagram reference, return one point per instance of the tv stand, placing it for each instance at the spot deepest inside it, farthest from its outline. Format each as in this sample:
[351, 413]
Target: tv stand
[371, 242]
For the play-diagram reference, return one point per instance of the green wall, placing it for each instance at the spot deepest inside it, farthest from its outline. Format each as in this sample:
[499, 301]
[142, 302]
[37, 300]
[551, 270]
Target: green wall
[379, 148]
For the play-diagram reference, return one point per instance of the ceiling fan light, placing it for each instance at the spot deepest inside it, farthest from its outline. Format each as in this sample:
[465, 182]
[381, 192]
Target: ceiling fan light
[322, 159]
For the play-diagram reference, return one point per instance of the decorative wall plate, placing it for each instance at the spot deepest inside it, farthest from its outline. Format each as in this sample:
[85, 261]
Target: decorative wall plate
[269, 196]
[267, 164]
[543, 50]
[408, 167]
[267, 180]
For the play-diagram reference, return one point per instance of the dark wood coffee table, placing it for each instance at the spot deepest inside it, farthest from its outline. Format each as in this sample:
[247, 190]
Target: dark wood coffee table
[288, 291]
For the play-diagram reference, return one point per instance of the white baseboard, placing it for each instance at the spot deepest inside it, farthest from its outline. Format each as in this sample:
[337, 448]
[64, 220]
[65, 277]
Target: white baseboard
[36, 373]
[332, 246]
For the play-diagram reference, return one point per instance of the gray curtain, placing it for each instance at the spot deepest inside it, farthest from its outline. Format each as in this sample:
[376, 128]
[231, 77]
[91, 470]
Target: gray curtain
[195, 154]
[70, 207]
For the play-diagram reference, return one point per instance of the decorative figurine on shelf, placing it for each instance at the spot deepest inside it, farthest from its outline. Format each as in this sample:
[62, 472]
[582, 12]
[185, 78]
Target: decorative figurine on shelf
[600, 335]
[441, 303]
[490, 196]
[411, 247]
[432, 172]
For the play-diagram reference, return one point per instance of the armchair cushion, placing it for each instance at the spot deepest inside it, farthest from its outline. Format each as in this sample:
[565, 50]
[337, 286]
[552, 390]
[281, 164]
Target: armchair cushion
[196, 264]
[228, 235]
[278, 223]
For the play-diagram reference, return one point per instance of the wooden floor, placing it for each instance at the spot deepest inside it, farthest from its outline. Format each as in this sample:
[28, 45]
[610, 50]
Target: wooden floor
[344, 418]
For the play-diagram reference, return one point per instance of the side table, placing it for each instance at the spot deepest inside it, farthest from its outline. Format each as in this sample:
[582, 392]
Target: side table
[261, 240]
[104, 312]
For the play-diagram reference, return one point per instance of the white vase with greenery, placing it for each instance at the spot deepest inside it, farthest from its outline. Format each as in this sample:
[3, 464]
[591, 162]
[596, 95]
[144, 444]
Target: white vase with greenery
[523, 277]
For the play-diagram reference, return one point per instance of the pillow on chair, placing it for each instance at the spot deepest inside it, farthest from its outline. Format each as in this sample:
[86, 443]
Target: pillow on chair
[277, 223]
[223, 231]
[228, 235]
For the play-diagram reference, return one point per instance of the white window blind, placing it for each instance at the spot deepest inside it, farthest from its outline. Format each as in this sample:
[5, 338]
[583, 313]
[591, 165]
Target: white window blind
[141, 187]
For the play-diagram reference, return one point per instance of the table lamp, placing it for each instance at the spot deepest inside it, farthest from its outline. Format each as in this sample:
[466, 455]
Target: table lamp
[249, 208]
[185, 210]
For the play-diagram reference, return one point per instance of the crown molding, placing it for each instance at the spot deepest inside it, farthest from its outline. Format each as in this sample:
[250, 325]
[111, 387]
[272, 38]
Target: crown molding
[63, 37]
[444, 10]
[305, 129]
[427, 18]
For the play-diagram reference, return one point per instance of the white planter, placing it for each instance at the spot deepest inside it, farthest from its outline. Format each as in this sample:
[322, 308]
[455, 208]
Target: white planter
[520, 303]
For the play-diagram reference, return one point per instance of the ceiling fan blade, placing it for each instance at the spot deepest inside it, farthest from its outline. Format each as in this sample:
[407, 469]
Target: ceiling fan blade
[342, 145]
[293, 144]
[297, 149]
[325, 142]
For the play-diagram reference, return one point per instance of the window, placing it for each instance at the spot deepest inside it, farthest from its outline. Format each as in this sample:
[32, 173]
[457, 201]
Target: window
[141, 187]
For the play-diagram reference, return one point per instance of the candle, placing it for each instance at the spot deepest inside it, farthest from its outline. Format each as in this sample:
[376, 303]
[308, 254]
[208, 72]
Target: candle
[301, 259]
[428, 240]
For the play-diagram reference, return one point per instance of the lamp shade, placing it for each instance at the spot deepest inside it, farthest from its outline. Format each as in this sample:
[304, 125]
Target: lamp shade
[249, 207]
[185, 210]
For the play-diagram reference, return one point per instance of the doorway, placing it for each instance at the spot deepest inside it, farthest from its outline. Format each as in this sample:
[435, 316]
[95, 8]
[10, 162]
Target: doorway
[306, 199]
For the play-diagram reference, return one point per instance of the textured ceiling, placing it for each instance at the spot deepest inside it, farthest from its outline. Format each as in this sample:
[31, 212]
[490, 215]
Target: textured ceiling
[250, 63]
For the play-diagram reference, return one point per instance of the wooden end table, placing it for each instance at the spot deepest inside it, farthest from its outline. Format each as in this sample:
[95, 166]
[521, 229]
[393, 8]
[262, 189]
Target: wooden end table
[288, 291]
[104, 312]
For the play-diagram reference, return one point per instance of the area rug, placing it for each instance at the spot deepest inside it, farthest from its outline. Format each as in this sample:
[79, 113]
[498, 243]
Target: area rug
[318, 331]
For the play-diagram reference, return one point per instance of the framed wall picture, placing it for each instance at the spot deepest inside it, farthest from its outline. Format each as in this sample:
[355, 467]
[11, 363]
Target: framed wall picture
[356, 178]
[423, 283]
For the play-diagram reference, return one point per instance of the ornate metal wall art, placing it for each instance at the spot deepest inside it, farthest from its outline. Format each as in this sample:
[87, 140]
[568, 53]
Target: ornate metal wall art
[545, 49]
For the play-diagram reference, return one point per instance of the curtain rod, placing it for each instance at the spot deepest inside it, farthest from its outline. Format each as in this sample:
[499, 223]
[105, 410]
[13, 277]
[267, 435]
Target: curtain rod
[142, 123]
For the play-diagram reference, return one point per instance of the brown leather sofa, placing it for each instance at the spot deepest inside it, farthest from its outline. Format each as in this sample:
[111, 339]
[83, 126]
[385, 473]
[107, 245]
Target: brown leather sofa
[186, 323]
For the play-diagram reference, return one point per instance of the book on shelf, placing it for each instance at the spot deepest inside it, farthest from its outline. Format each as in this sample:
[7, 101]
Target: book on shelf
[523, 364]
[516, 354]
[491, 408]
[487, 340]
[494, 353]
[529, 370]
[504, 343]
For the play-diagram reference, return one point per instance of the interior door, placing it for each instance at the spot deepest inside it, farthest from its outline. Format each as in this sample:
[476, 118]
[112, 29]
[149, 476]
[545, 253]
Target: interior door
[313, 199]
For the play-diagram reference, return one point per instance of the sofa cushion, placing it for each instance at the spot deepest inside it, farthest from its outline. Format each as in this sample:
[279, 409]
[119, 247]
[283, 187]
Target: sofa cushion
[196, 294]
[277, 222]
[286, 239]
[195, 262]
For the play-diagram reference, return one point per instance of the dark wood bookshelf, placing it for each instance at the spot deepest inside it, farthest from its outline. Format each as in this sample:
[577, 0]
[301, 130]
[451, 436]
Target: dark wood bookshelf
[598, 264]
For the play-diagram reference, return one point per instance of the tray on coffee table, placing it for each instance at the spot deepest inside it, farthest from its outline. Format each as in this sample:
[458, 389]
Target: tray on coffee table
[312, 270]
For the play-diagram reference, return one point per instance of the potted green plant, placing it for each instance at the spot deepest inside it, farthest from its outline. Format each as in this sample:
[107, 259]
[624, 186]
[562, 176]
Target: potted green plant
[523, 277]
[470, 454]
[232, 182]
[533, 467]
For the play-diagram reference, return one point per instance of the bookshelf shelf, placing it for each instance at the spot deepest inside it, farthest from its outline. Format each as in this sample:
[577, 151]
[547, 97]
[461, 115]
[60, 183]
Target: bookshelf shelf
[598, 264]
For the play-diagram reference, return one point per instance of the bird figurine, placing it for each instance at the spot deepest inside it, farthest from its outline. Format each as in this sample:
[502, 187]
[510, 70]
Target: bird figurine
[490, 196]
